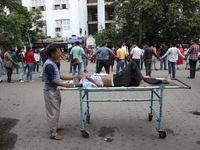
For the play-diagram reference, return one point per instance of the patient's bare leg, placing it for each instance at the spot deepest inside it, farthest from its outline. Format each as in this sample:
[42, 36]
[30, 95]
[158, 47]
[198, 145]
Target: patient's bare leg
[167, 79]
[144, 84]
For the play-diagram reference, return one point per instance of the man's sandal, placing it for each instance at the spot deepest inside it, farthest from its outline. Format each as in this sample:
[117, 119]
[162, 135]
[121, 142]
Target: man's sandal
[57, 137]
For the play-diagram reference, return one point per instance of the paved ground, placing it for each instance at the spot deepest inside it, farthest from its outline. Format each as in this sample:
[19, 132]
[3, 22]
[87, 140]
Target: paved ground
[114, 126]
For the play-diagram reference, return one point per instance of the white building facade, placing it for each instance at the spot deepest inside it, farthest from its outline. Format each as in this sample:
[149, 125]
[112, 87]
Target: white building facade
[72, 18]
[64, 18]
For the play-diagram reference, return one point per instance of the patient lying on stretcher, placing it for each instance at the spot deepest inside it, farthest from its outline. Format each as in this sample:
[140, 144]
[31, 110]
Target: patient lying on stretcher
[129, 76]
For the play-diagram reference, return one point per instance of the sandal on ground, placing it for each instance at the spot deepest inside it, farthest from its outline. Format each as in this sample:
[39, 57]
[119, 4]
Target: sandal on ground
[31, 81]
[59, 129]
[57, 137]
[189, 77]
[11, 81]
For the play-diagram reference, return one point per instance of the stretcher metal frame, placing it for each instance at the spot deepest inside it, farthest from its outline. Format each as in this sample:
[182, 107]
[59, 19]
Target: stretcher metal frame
[156, 95]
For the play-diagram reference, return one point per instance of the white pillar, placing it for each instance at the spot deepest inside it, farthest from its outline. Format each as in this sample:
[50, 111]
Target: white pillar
[101, 14]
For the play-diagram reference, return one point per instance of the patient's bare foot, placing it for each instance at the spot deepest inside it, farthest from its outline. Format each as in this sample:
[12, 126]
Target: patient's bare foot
[144, 84]
[167, 79]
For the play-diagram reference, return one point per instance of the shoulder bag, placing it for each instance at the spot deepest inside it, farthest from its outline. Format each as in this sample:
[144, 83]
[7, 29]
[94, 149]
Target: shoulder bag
[76, 61]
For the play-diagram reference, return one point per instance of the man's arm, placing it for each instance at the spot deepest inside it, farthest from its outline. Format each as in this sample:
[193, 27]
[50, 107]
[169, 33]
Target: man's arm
[93, 81]
[86, 56]
[62, 56]
[155, 54]
[181, 54]
[66, 78]
[166, 53]
[188, 53]
[68, 85]
[113, 55]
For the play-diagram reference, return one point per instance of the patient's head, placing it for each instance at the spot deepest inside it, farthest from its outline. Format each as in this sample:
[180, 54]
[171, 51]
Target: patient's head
[80, 76]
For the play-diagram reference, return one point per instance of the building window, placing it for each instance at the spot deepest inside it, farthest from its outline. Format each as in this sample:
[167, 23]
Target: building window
[63, 24]
[58, 29]
[33, 8]
[18, 1]
[57, 7]
[92, 28]
[64, 6]
[109, 13]
[92, 13]
[42, 8]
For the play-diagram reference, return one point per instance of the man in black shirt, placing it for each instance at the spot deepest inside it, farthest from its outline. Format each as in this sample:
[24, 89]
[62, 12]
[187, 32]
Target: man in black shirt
[147, 58]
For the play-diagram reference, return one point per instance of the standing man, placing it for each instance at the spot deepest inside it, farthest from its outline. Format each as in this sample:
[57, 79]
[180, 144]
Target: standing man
[121, 55]
[136, 54]
[147, 58]
[163, 49]
[85, 60]
[43, 57]
[70, 57]
[52, 95]
[104, 53]
[125, 48]
[193, 52]
[77, 52]
[154, 60]
[172, 54]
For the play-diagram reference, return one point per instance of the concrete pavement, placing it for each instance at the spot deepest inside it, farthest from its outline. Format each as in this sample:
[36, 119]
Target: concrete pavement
[114, 126]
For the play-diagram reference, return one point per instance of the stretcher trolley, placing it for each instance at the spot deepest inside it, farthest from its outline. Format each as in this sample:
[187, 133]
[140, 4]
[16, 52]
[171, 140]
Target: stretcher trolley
[156, 94]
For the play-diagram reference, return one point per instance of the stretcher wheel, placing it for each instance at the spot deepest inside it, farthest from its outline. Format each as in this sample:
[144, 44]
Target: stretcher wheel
[150, 117]
[85, 134]
[162, 134]
[88, 119]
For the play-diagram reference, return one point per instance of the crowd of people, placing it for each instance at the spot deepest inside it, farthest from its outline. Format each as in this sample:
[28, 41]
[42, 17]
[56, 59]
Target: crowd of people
[171, 57]
[112, 59]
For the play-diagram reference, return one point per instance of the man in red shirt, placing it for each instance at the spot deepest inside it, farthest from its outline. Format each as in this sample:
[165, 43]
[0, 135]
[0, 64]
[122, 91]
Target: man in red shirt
[193, 52]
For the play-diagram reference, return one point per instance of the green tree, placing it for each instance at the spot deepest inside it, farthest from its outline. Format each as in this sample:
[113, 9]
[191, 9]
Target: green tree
[15, 20]
[152, 20]
[18, 26]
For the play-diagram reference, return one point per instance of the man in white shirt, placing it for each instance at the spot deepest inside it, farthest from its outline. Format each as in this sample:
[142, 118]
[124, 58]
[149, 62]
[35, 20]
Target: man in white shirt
[172, 54]
[136, 54]
[124, 47]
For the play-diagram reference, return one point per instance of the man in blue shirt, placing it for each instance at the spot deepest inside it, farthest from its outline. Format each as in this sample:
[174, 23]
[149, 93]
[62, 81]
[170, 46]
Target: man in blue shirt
[104, 53]
[52, 95]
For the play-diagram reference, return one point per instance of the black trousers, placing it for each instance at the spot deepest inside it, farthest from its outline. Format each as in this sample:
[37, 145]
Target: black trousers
[131, 76]
[137, 61]
[193, 64]
[103, 63]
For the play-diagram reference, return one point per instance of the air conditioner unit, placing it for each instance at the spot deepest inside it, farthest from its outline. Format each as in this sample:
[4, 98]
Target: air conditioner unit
[58, 34]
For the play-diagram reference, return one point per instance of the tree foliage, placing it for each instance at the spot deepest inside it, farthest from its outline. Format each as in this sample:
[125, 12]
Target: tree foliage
[16, 26]
[15, 20]
[153, 21]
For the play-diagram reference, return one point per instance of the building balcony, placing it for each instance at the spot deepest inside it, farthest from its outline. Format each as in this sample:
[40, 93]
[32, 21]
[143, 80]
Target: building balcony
[92, 22]
[91, 1]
